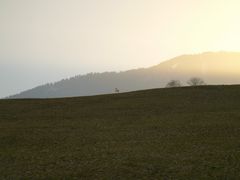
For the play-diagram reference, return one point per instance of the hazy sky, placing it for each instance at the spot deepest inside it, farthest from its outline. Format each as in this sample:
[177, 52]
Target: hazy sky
[46, 40]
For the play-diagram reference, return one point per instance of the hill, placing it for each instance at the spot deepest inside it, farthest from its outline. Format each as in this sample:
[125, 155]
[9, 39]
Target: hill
[178, 133]
[214, 68]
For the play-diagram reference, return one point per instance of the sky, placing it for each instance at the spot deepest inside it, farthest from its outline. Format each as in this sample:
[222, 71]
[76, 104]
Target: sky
[46, 40]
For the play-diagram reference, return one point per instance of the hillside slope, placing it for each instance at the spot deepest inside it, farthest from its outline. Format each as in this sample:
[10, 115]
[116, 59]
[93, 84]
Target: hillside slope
[214, 68]
[179, 133]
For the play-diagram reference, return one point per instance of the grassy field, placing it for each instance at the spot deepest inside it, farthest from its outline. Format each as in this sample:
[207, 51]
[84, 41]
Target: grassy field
[182, 133]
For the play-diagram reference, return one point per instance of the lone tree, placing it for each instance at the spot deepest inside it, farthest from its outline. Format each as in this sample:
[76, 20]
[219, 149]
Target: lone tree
[195, 81]
[173, 83]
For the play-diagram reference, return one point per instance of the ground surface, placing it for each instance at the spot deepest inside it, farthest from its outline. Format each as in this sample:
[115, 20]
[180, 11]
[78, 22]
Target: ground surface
[183, 133]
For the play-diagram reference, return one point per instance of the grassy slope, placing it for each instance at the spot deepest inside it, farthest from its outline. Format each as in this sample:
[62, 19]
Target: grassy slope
[185, 133]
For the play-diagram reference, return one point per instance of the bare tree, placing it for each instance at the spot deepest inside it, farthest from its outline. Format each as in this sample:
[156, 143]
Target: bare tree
[195, 81]
[173, 83]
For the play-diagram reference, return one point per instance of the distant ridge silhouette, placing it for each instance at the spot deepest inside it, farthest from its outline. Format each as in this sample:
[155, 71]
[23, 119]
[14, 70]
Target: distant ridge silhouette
[212, 67]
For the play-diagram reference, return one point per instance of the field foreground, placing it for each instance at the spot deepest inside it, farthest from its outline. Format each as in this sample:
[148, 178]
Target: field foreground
[179, 133]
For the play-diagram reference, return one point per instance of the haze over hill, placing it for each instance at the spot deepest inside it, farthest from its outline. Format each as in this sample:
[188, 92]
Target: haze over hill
[47, 40]
[214, 68]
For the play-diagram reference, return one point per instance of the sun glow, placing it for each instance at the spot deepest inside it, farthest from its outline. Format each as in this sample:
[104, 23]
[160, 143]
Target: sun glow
[77, 37]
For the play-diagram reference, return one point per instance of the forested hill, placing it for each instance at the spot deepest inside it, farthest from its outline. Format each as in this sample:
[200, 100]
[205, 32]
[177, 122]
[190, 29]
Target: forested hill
[213, 68]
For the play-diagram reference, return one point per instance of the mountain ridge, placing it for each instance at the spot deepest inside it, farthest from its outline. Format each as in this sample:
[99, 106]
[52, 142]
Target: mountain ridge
[213, 67]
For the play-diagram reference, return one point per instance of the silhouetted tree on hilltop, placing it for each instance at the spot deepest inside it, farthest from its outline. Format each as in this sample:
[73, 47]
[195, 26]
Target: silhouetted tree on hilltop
[195, 81]
[173, 83]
